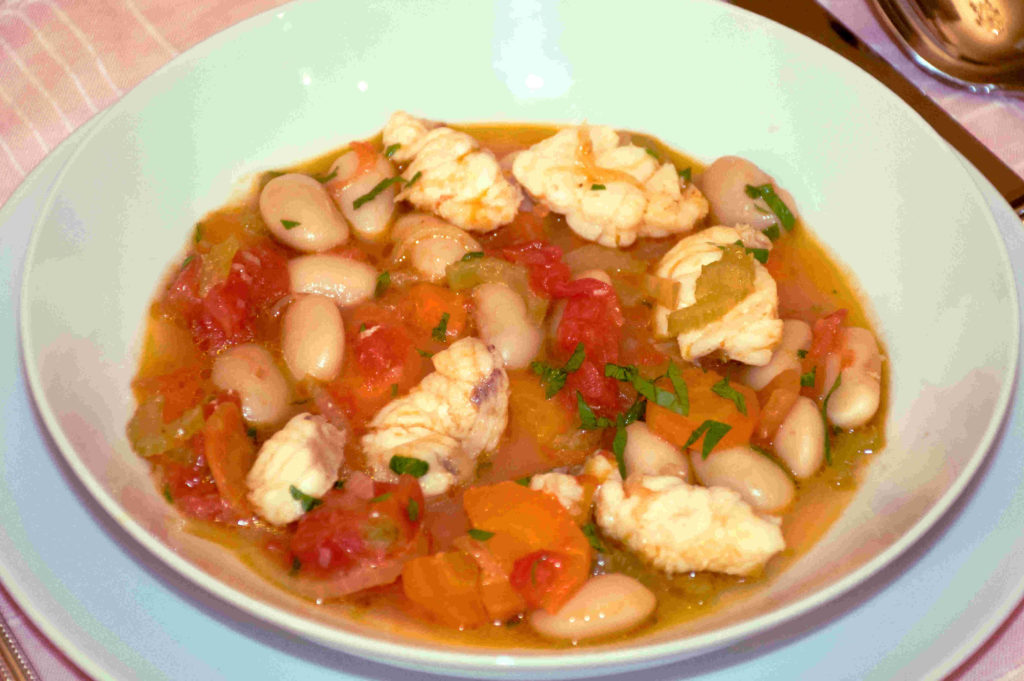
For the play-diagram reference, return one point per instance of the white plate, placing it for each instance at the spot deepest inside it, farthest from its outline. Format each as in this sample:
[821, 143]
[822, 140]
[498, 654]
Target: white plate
[120, 614]
[115, 232]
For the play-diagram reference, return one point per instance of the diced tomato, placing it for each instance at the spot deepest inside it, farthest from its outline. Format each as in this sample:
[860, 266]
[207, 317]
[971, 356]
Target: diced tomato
[826, 338]
[548, 273]
[181, 390]
[527, 226]
[544, 576]
[592, 317]
[230, 454]
[350, 529]
[225, 316]
[189, 484]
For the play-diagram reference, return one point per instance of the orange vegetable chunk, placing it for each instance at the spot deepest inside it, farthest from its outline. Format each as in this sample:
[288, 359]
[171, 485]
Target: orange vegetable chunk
[447, 585]
[705, 405]
[230, 454]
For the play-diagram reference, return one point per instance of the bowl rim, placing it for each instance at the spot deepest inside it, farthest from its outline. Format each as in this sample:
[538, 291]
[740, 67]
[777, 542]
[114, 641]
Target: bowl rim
[466, 660]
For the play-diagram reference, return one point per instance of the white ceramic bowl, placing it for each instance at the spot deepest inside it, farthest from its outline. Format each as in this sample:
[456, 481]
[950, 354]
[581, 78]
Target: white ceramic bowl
[871, 179]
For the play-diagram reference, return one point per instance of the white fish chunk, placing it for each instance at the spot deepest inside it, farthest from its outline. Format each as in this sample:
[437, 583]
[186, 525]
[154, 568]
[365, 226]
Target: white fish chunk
[305, 454]
[750, 331]
[447, 420]
[457, 180]
[609, 192]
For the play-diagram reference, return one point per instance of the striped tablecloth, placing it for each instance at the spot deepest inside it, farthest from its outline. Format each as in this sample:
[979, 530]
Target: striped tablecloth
[64, 61]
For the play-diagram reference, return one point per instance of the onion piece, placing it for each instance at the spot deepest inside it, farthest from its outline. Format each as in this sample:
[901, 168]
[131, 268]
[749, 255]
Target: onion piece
[664, 291]
[595, 257]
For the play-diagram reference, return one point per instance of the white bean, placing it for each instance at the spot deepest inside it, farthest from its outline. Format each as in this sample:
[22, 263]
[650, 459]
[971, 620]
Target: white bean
[369, 221]
[796, 336]
[503, 322]
[343, 280]
[756, 478]
[299, 213]
[604, 605]
[430, 244]
[800, 439]
[724, 183]
[648, 454]
[249, 370]
[856, 399]
[313, 338]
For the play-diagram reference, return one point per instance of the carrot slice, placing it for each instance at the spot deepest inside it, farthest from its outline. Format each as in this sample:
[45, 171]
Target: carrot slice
[230, 454]
[426, 304]
[707, 405]
[446, 585]
[778, 398]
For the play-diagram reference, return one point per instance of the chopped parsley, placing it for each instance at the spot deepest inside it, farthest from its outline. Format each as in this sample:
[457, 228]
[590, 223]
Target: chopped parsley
[619, 444]
[377, 189]
[424, 353]
[778, 206]
[679, 403]
[589, 420]
[440, 332]
[598, 187]
[824, 417]
[390, 151]
[187, 261]
[590, 532]
[251, 432]
[686, 174]
[723, 389]
[480, 535]
[308, 503]
[807, 379]
[296, 566]
[290, 224]
[760, 254]
[417, 468]
[472, 255]
[383, 282]
[713, 432]
[362, 327]
[772, 232]
[414, 178]
[554, 379]
[340, 484]
[524, 481]
[394, 390]
[328, 178]
[412, 509]
[199, 232]
[167, 494]
[380, 497]
[801, 353]
[652, 153]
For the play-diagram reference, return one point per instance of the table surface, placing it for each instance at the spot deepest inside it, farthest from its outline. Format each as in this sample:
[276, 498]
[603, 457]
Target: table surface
[64, 61]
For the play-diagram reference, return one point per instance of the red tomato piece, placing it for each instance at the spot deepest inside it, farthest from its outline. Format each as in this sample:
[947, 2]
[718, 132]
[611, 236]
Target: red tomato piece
[350, 529]
[548, 274]
[542, 576]
[592, 317]
[189, 484]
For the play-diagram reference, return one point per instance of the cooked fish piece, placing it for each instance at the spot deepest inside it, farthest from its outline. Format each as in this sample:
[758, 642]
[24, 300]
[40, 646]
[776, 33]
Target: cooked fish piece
[609, 192]
[447, 420]
[306, 454]
[678, 527]
[455, 178]
[750, 330]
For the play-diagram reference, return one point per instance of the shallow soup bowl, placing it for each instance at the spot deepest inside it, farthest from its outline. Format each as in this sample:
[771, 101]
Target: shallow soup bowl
[882, 192]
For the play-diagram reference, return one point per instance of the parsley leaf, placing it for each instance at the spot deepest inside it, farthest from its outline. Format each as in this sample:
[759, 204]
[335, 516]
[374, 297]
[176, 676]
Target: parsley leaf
[424, 353]
[187, 261]
[472, 255]
[308, 503]
[412, 509]
[390, 151]
[801, 353]
[760, 254]
[723, 389]
[713, 431]
[824, 417]
[328, 178]
[417, 468]
[772, 232]
[394, 390]
[686, 174]
[778, 206]
[340, 484]
[597, 187]
[383, 281]
[199, 232]
[290, 224]
[588, 420]
[660, 396]
[167, 494]
[480, 535]
[414, 178]
[619, 445]
[554, 379]
[377, 189]
[807, 379]
[380, 497]
[296, 566]
[524, 481]
[679, 385]
[590, 532]
[652, 153]
[440, 332]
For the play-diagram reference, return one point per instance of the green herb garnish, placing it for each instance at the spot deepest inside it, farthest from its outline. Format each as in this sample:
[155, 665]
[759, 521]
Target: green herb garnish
[424, 353]
[187, 261]
[414, 178]
[381, 497]
[619, 445]
[554, 379]
[647, 388]
[472, 255]
[801, 353]
[713, 432]
[590, 532]
[167, 494]
[807, 379]
[417, 468]
[588, 420]
[778, 206]
[390, 151]
[296, 566]
[328, 178]
[772, 232]
[383, 282]
[340, 484]
[412, 509]
[394, 390]
[440, 332]
[597, 187]
[290, 224]
[686, 174]
[307, 502]
[824, 418]
[480, 535]
[377, 189]
[524, 481]
[723, 389]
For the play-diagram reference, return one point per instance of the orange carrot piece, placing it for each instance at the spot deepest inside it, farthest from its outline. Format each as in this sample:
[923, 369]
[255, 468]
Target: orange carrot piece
[230, 453]
[778, 397]
[426, 304]
[181, 389]
[446, 585]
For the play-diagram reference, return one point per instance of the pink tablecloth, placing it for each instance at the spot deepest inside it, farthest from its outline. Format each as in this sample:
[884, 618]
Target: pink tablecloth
[63, 61]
